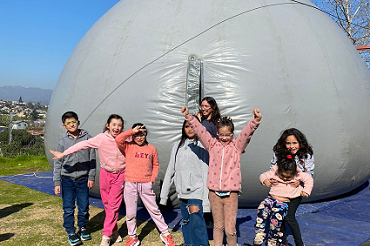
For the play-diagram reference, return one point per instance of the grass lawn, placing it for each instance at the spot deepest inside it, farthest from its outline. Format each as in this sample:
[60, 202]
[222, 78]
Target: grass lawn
[30, 217]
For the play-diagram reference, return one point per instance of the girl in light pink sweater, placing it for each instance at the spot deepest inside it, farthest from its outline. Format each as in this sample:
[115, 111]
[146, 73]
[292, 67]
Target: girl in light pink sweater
[282, 178]
[112, 173]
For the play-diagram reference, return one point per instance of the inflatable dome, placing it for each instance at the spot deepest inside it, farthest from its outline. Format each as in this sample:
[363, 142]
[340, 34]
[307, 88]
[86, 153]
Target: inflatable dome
[145, 59]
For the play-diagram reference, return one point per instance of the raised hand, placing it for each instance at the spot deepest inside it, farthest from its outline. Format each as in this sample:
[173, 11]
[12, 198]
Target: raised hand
[139, 129]
[185, 112]
[257, 115]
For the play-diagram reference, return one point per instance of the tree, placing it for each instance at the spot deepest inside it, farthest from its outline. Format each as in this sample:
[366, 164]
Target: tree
[34, 115]
[29, 105]
[353, 16]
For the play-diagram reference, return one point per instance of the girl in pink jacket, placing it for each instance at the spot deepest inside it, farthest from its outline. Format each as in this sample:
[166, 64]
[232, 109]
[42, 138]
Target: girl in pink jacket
[112, 173]
[282, 178]
[224, 176]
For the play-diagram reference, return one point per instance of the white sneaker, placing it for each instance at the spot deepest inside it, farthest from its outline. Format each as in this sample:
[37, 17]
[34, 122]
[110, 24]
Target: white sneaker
[116, 238]
[105, 241]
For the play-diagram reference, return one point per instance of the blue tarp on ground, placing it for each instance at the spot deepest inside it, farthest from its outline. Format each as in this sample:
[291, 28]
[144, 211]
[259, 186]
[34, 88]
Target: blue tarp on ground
[344, 221]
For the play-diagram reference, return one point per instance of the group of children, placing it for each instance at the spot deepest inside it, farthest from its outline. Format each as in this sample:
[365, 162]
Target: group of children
[204, 165]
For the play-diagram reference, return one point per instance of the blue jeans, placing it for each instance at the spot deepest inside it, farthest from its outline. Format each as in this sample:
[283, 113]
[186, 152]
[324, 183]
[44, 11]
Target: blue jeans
[75, 191]
[193, 225]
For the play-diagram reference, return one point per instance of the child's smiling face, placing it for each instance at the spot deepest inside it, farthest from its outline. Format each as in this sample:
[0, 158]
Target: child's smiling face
[224, 135]
[189, 131]
[115, 127]
[140, 138]
[206, 109]
[292, 144]
[71, 125]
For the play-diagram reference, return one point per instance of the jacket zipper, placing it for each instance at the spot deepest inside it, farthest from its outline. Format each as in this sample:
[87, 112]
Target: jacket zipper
[222, 164]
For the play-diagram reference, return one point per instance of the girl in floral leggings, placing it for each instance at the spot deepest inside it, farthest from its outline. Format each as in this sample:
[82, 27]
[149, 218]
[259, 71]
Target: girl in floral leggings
[282, 178]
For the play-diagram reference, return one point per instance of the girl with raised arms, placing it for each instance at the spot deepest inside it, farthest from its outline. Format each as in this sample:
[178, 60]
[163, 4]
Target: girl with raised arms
[224, 176]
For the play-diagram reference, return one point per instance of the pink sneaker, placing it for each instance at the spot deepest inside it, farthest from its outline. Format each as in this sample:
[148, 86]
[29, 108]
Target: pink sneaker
[167, 239]
[132, 241]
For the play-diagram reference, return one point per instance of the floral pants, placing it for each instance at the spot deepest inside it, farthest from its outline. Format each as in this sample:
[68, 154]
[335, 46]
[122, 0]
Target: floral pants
[273, 211]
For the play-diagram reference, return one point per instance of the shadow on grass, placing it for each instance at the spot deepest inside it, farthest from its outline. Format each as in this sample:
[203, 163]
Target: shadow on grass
[13, 209]
[6, 236]
[142, 216]
[145, 231]
[96, 222]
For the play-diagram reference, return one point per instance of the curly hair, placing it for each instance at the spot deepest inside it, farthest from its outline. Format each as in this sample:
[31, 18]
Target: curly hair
[304, 147]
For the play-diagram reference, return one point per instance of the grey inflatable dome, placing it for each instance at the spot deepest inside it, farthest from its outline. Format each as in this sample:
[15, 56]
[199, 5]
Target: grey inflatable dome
[145, 59]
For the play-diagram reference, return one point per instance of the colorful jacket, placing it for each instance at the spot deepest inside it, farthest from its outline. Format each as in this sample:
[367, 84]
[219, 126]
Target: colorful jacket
[284, 188]
[81, 164]
[142, 164]
[224, 161]
[111, 158]
[188, 172]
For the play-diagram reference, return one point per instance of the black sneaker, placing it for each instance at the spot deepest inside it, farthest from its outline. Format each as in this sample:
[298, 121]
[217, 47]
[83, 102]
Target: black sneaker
[84, 234]
[74, 239]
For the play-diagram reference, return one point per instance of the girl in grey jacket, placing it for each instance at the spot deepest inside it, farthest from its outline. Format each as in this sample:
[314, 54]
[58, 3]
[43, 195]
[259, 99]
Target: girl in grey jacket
[188, 170]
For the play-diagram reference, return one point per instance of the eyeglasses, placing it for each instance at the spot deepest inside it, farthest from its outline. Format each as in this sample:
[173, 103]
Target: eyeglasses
[225, 135]
[139, 135]
[71, 123]
[205, 106]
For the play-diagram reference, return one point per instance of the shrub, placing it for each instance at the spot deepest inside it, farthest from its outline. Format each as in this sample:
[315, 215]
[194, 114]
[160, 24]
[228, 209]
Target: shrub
[22, 143]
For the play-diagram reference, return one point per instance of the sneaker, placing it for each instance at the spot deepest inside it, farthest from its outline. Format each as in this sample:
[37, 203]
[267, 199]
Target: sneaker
[132, 241]
[84, 234]
[167, 239]
[105, 241]
[116, 238]
[74, 239]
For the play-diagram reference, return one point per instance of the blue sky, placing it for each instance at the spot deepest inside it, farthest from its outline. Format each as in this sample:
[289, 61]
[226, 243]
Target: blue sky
[38, 36]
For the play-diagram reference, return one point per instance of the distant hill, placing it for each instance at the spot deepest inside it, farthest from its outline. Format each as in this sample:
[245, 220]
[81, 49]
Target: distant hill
[30, 94]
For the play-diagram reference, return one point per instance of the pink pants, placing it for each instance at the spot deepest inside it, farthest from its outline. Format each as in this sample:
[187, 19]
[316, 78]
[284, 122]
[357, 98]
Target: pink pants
[147, 196]
[111, 192]
[224, 211]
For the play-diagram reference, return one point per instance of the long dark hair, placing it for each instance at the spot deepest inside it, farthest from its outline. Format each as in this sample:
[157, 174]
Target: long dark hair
[184, 137]
[304, 147]
[215, 113]
[111, 117]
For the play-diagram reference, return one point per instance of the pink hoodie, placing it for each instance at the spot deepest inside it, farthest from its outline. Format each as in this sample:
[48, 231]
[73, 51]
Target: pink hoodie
[224, 161]
[111, 158]
[284, 188]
